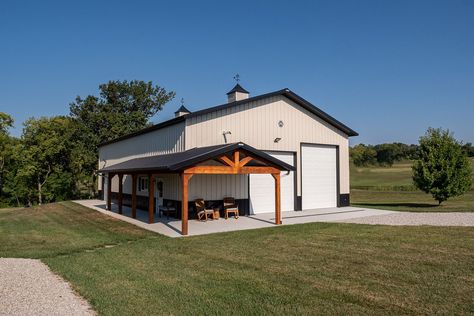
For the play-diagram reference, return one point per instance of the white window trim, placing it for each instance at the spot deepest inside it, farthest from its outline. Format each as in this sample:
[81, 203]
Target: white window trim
[142, 187]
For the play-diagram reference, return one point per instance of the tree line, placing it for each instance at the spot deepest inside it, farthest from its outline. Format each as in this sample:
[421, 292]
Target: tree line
[388, 153]
[56, 158]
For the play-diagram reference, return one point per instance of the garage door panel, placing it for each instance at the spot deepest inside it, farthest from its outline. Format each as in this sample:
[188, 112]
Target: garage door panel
[262, 188]
[319, 176]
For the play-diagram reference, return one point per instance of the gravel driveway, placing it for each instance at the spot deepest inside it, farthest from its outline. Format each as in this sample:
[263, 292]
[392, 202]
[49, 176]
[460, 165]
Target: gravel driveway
[414, 219]
[28, 287]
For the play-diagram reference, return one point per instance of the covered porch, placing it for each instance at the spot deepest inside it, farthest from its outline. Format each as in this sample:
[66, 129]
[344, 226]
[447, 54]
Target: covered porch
[228, 159]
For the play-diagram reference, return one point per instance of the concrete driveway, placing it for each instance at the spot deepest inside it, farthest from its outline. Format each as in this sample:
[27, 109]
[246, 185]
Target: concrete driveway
[172, 227]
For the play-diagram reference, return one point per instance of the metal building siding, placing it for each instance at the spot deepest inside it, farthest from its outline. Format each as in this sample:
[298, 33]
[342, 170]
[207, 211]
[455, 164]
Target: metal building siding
[256, 124]
[163, 141]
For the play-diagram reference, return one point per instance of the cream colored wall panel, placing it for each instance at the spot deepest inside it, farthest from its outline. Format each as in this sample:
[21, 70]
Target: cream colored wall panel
[163, 141]
[216, 187]
[256, 124]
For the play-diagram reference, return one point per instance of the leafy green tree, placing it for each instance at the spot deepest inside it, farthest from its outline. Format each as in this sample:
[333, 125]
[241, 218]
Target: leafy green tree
[122, 107]
[363, 155]
[442, 168]
[44, 164]
[468, 149]
[6, 143]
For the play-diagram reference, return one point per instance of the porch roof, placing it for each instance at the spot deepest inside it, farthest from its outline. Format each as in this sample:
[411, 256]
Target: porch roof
[176, 162]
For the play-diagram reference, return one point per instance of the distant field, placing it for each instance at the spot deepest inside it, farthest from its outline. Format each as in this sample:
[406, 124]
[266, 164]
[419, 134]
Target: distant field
[375, 176]
[392, 188]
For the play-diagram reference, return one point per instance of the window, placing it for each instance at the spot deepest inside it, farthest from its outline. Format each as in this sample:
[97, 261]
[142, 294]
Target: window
[142, 184]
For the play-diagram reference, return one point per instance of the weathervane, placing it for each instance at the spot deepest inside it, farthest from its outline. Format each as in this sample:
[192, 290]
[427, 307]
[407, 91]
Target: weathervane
[182, 101]
[237, 78]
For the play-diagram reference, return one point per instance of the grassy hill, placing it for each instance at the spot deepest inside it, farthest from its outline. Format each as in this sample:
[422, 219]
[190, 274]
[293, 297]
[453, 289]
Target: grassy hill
[392, 188]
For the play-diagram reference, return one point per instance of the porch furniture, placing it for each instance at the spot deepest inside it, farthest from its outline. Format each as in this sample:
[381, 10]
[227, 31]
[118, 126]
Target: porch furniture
[230, 207]
[168, 208]
[216, 214]
[202, 211]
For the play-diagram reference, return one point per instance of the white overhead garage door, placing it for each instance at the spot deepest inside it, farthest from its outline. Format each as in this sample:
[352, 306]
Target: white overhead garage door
[318, 176]
[262, 188]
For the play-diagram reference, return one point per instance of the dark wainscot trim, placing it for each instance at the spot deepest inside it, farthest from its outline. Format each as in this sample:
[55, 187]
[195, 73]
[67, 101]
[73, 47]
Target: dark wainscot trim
[344, 199]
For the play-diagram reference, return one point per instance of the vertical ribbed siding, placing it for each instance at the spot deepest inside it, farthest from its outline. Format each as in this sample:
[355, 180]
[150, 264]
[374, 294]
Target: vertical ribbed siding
[163, 141]
[256, 124]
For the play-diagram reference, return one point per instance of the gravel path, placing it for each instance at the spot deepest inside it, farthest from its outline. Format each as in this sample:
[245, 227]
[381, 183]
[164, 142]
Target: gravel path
[28, 287]
[407, 218]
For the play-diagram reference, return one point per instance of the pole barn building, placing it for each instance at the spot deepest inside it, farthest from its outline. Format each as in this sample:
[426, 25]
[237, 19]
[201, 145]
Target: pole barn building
[272, 152]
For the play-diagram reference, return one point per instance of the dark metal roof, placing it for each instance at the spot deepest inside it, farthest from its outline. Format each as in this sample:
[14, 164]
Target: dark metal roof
[284, 92]
[237, 88]
[182, 160]
[182, 109]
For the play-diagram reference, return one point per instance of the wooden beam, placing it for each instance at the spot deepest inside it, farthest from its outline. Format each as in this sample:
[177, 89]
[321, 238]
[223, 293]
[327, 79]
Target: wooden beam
[276, 176]
[230, 170]
[236, 158]
[109, 191]
[134, 195]
[245, 161]
[226, 160]
[184, 202]
[120, 193]
[151, 198]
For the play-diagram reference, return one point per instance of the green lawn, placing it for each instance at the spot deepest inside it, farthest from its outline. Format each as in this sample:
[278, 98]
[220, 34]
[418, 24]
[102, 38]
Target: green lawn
[392, 188]
[300, 269]
[410, 201]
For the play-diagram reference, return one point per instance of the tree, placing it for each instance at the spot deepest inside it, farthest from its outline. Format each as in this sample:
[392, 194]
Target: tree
[442, 168]
[6, 142]
[44, 173]
[363, 155]
[122, 108]
[468, 149]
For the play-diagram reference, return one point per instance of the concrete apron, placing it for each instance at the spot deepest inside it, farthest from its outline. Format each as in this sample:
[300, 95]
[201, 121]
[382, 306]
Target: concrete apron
[172, 227]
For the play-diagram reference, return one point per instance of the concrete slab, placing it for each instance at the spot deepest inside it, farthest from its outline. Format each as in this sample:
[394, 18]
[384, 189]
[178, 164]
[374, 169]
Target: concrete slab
[172, 227]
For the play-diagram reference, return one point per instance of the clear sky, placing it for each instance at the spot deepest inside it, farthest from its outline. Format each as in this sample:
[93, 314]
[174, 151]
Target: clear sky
[388, 69]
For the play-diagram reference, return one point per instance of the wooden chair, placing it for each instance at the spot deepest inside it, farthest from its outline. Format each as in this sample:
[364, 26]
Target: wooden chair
[230, 207]
[202, 211]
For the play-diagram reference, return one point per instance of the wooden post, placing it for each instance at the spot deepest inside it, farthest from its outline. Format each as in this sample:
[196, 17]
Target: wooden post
[109, 191]
[184, 202]
[120, 193]
[151, 198]
[276, 176]
[134, 195]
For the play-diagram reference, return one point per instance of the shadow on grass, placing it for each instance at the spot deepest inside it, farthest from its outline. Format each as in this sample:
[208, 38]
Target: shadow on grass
[413, 205]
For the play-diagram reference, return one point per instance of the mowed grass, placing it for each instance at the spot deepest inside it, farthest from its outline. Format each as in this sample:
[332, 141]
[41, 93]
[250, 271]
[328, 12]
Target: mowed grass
[301, 269]
[411, 201]
[382, 187]
[60, 228]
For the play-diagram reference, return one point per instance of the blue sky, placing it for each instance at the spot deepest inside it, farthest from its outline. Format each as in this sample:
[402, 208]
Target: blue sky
[388, 69]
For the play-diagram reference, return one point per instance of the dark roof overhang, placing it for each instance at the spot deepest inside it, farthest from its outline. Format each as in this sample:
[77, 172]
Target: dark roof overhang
[177, 162]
